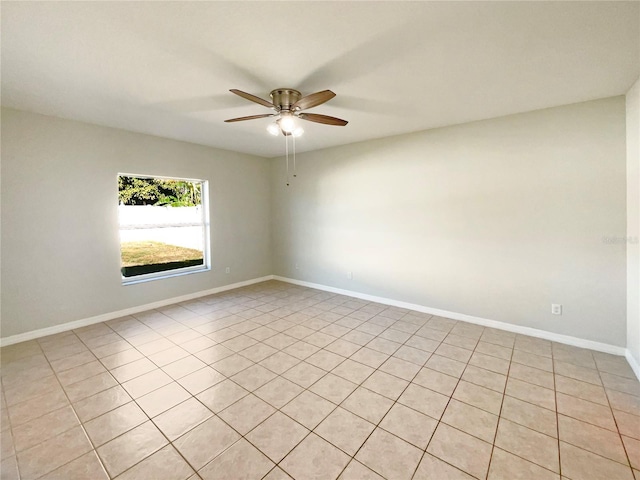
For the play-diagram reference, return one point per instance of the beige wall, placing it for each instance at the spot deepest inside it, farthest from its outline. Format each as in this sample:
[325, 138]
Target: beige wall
[633, 221]
[60, 246]
[496, 219]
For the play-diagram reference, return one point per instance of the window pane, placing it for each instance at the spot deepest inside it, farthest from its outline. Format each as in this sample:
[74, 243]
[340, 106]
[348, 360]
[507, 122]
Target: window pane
[162, 225]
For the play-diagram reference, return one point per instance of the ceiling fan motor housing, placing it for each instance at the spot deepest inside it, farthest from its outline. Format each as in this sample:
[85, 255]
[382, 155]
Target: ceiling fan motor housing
[285, 98]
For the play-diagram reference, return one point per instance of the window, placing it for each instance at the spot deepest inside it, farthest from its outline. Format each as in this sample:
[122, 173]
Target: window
[164, 228]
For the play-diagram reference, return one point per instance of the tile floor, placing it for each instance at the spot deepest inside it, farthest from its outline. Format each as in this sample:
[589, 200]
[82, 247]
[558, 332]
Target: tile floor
[276, 381]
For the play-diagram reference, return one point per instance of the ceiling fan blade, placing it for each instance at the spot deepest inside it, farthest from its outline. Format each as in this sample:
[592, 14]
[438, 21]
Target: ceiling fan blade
[313, 100]
[252, 98]
[327, 120]
[251, 117]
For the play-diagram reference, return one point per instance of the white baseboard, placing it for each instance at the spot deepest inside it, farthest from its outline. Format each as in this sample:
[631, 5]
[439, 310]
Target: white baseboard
[63, 327]
[533, 332]
[633, 363]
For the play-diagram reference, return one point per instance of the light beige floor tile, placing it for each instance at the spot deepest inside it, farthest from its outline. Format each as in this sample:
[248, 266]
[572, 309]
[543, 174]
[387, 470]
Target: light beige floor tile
[359, 338]
[446, 365]
[485, 378]
[529, 415]
[279, 362]
[308, 409]
[624, 402]
[455, 353]
[333, 388]
[385, 384]
[163, 399]
[277, 436]
[26, 391]
[200, 380]
[301, 350]
[147, 383]
[213, 433]
[422, 343]
[583, 390]
[432, 468]
[7, 448]
[88, 466]
[632, 446]
[342, 347]
[409, 425]
[589, 437]
[578, 373]
[276, 474]
[121, 358]
[461, 450]
[96, 405]
[183, 367]
[578, 463]
[586, 411]
[367, 404]
[628, 425]
[345, 430]
[126, 450]
[9, 468]
[465, 342]
[114, 423]
[504, 465]
[424, 400]
[258, 352]
[214, 354]
[131, 370]
[43, 428]
[621, 384]
[242, 462]
[413, 355]
[353, 371]
[53, 453]
[528, 392]
[221, 395]
[369, 357]
[314, 458]
[471, 420]
[528, 444]
[531, 375]
[493, 350]
[246, 413]
[488, 362]
[357, 471]
[165, 464]
[253, 377]
[278, 392]
[478, 396]
[325, 360]
[183, 417]
[197, 344]
[400, 368]
[383, 345]
[304, 374]
[389, 455]
[82, 372]
[436, 381]
[532, 360]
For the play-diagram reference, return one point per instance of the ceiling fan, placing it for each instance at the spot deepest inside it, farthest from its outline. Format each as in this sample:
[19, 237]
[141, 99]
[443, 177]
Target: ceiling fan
[288, 105]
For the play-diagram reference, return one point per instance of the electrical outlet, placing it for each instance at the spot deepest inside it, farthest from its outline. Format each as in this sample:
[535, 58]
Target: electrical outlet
[297, 267]
[556, 309]
[350, 275]
[227, 270]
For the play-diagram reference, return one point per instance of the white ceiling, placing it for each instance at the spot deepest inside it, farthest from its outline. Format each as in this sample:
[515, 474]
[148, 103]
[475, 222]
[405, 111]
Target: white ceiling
[166, 68]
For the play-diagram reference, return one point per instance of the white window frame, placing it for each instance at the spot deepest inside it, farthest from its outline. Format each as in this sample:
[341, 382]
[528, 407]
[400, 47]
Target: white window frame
[177, 272]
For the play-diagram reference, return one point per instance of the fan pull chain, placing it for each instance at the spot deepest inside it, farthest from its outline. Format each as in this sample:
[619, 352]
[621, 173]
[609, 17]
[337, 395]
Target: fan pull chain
[286, 148]
[293, 139]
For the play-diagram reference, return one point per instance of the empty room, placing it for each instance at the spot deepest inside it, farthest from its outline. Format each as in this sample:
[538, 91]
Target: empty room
[320, 240]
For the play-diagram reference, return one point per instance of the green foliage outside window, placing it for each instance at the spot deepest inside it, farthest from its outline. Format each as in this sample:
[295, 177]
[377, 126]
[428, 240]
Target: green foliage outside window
[157, 191]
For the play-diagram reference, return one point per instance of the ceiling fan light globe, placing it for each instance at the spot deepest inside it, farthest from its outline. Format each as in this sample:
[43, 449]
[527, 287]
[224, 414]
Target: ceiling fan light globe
[287, 124]
[273, 129]
[297, 132]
